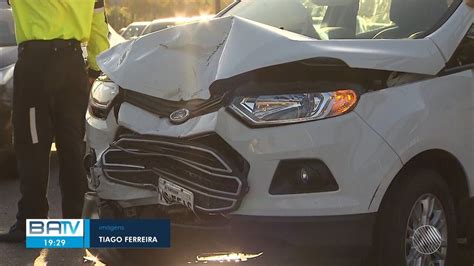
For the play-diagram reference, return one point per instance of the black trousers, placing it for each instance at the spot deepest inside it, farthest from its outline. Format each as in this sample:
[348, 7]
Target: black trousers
[49, 103]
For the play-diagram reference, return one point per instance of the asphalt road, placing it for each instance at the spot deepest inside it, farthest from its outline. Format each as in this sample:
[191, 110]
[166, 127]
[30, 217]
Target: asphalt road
[17, 254]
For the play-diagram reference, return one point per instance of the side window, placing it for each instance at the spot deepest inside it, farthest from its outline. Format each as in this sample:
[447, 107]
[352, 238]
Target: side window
[464, 55]
[373, 15]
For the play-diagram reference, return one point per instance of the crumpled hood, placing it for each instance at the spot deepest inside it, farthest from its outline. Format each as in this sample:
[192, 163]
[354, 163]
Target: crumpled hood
[8, 55]
[182, 62]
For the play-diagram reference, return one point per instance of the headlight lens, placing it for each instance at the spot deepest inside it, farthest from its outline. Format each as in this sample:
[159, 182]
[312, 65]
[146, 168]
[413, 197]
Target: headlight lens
[103, 93]
[293, 108]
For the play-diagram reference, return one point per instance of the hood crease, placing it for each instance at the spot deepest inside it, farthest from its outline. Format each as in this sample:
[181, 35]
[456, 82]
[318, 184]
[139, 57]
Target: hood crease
[181, 63]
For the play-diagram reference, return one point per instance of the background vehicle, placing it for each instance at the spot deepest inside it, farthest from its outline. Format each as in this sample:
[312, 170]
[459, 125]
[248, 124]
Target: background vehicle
[279, 130]
[161, 24]
[135, 29]
[8, 57]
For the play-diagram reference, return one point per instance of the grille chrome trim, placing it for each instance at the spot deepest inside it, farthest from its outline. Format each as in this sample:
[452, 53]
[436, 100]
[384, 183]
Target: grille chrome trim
[125, 165]
[195, 166]
[164, 108]
[234, 201]
[227, 168]
[148, 186]
[211, 196]
[203, 187]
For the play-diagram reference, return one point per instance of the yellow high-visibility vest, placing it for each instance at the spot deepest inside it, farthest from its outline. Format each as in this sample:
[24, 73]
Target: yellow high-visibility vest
[82, 20]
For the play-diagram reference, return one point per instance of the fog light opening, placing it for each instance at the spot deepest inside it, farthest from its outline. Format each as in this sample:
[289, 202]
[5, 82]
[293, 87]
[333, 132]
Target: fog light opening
[304, 176]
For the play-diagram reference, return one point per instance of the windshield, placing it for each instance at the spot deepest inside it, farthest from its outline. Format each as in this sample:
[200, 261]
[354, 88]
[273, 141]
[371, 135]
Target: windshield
[7, 29]
[347, 19]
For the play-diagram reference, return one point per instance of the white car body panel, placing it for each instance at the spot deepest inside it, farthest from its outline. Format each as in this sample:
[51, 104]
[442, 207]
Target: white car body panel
[357, 167]
[202, 53]
[436, 114]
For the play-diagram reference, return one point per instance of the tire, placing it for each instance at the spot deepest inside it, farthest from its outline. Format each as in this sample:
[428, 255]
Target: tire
[408, 198]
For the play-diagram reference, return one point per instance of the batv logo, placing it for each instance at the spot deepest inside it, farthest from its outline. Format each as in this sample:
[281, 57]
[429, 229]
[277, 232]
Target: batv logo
[59, 227]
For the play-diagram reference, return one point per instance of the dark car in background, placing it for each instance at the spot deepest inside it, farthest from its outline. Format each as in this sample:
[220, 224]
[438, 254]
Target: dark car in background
[159, 24]
[8, 57]
[135, 29]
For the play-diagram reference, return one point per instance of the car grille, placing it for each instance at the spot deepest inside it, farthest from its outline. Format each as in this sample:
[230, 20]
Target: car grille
[206, 165]
[164, 108]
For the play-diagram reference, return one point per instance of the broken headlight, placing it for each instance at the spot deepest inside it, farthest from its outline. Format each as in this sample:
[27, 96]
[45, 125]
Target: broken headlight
[293, 108]
[103, 93]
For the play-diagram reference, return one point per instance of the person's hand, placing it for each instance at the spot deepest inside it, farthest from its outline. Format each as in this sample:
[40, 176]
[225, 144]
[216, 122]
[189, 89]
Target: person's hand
[469, 2]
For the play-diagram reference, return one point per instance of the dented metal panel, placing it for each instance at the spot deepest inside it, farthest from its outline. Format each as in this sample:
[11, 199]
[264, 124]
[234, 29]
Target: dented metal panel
[181, 63]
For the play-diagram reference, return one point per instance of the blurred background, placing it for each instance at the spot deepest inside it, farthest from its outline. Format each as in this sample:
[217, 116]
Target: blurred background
[121, 13]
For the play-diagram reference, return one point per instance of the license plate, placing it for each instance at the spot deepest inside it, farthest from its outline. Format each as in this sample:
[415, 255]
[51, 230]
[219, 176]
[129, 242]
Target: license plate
[175, 194]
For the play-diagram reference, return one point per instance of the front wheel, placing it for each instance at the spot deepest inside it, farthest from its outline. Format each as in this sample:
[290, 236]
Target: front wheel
[417, 223]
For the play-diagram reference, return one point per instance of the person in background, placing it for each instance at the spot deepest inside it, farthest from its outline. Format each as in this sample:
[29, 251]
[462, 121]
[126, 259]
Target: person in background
[51, 90]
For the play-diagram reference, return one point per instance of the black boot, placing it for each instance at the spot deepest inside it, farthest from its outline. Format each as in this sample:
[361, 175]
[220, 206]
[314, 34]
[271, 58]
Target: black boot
[16, 234]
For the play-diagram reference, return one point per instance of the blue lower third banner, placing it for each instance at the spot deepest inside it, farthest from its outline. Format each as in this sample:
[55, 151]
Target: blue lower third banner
[85, 233]
[129, 233]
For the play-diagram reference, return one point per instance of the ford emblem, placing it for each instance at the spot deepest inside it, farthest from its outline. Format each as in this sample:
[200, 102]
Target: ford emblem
[180, 116]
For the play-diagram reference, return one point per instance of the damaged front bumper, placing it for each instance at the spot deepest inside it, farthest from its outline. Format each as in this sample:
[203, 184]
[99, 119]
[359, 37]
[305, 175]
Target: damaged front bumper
[231, 167]
[350, 235]
[214, 172]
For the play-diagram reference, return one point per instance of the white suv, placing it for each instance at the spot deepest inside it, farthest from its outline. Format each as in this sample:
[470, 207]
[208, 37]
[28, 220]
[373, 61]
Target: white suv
[280, 120]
